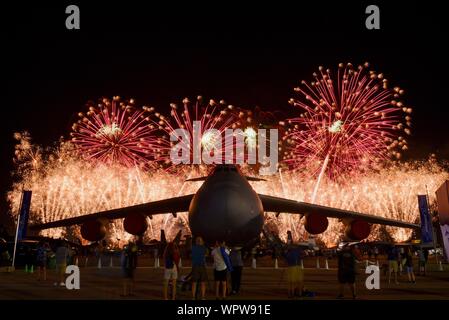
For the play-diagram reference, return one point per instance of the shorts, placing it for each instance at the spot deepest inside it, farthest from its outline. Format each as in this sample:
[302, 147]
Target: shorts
[220, 275]
[408, 269]
[392, 266]
[295, 274]
[171, 274]
[346, 277]
[199, 273]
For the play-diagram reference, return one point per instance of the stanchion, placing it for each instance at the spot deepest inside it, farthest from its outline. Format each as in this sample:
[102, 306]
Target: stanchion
[276, 263]
[110, 263]
[317, 263]
[326, 265]
[99, 263]
[253, 263]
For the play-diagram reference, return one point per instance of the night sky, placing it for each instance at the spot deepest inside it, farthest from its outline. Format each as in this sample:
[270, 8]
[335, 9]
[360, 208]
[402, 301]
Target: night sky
[252, 55]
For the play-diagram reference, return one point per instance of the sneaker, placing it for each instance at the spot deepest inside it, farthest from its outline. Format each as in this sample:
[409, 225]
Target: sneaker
[62, 284]
[55, 284]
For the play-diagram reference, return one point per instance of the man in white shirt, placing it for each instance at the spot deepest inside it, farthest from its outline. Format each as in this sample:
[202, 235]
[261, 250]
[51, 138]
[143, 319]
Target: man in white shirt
[220, 269]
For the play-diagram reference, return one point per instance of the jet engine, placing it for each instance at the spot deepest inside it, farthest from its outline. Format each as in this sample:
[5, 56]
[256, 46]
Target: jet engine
[315, 223]
[93, 230]
[135, 223]
[357, 229]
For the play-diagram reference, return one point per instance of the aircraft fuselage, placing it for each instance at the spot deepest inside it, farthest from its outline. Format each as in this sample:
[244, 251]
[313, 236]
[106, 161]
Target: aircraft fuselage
[227, 208]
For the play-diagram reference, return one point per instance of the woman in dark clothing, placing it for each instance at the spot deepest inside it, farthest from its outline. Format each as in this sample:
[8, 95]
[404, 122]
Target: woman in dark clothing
[346, 270]
[409, 265]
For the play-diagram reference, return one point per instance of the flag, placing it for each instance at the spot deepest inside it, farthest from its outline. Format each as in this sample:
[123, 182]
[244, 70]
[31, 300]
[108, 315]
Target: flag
[443, 202]
[23, 215]
[445, 234]
[426, 222]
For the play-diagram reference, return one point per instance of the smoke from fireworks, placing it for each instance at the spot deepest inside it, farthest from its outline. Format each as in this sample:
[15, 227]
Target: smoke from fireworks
[348, 121]
[66, 185]
[116, 132]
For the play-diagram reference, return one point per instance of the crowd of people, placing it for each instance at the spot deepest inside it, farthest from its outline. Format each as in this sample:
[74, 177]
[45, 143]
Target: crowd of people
[228, 267]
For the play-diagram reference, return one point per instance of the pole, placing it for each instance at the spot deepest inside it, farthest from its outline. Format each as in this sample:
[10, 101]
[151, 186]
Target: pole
[17, 231]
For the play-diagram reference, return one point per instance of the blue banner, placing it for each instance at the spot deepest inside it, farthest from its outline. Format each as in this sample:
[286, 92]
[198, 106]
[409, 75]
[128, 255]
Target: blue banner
[426, 222]
[24, 214]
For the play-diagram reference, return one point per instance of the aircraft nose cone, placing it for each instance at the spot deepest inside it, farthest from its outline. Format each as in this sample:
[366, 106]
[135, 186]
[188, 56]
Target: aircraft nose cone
[227, 212]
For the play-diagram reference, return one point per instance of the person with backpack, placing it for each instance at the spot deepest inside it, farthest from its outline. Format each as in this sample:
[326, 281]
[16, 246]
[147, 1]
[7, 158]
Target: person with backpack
[346, 270]
[171, 267]
[222, 265]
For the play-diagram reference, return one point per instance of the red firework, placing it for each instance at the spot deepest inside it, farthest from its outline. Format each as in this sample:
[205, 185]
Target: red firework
[116, 132]
[347, 123]
[210, 115]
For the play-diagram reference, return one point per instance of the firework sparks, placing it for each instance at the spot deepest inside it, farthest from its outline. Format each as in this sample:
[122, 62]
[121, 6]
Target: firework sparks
[116, 132]
[347, 123]
[65, 185]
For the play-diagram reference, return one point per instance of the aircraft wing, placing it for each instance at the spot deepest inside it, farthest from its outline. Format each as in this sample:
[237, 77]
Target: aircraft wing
[275, 204]
[172, 205]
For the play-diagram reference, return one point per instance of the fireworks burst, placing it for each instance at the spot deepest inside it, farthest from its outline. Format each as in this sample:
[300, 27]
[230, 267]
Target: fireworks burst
[116, 132]
[347, 123]
[212, 116]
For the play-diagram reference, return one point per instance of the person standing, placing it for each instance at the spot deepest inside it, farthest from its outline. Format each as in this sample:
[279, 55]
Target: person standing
[171, 268]
[129, 265]
[422, 261]
[61, 257]
[346, 271]
[41, 260]
[237, 267]
[221, 258]
[409, 265]
[393, 267]
[295, 274]
[199, 273]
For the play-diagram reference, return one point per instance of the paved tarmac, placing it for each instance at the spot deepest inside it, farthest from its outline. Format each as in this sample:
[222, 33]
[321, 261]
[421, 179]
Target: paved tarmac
[263, 283]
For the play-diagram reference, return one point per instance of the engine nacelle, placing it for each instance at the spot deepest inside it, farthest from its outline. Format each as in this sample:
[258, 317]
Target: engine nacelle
[93, 230]
[357, 230]
[135, 223]
[315, 223]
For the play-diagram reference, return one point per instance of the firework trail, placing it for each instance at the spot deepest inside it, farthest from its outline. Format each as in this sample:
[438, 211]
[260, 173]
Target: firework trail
[116, 132]
[346, 124]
